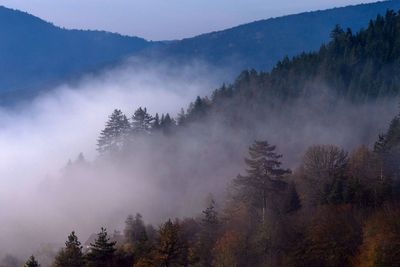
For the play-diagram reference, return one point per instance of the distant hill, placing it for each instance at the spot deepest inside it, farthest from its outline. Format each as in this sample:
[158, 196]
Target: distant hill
[35, 53]
[262, 43]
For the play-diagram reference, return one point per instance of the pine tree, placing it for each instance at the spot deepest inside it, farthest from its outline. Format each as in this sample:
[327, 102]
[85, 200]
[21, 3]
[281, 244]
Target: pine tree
[171, 249]
[156, 122]
[136, 235]
[264, 174]
[32, 262]
[101, 253]
[208, 234]
[293, 201]
[71, 255]
[167, 123]
[181, 117]
[113, 136]
[141, 122]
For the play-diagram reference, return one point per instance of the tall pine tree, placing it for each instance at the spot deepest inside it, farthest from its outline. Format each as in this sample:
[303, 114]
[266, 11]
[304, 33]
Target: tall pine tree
[113, 136]
[264, 174]
[71, 255]
[101, 253]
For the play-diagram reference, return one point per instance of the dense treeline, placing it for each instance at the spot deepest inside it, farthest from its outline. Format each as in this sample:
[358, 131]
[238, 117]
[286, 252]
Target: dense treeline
[334, 208]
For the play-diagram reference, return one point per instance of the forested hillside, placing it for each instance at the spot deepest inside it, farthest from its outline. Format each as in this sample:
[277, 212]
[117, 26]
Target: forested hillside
[327, 195]
[57, 55]
[35, 54]
[261, 44]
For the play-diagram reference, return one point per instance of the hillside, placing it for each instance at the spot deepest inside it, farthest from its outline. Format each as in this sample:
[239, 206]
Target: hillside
[338, 205]
[35, 53]
[262, 43]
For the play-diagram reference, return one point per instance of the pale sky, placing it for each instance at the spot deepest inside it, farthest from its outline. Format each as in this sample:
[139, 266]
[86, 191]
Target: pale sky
[164, 19]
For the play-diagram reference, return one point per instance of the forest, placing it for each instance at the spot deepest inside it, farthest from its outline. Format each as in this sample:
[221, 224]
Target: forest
[322, 205]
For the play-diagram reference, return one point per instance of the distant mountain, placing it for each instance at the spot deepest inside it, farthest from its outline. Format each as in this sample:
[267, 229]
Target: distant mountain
[35, 54]
[262, 43]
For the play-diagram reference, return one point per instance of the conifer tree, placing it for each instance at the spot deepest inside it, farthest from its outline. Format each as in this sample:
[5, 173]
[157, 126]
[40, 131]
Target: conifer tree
[167, 123]
[181, 117]
[136, 235]
[171, 249]
[208, 234]
[293, 201]
[32, 262]
[264, 174]
[141, 121]
[71, 255]
[113, 136]
[156, 122]
[101, 253]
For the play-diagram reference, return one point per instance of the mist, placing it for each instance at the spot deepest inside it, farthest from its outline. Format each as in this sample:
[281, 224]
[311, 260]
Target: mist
[43, 199]
[39, 137]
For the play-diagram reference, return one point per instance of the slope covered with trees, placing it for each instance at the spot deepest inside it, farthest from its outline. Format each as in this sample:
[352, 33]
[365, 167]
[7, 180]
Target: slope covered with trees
[57, 55]
[261, 44]
[44, 54]
[336, 206]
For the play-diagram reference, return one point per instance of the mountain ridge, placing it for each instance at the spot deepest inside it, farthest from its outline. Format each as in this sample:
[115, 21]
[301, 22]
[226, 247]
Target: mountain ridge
[57, 55]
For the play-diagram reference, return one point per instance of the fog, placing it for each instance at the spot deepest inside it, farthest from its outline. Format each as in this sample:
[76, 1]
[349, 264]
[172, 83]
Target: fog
[42, 199]
[38, 138]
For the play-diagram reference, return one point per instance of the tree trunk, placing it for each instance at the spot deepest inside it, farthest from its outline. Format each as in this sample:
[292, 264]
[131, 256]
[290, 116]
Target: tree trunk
[264, 208]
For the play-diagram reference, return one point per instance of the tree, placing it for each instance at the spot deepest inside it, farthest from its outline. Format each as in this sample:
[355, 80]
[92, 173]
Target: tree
[171, 249]
[32, 262]
[71, 255]
[181, 117]
[167, 123]
[113, 136]
[101, 253]
[293, 201]
[208, 234]
[141, 121]
[156, 122]
[388, 147]
[136, 236]
[324, 167]
[264, 174]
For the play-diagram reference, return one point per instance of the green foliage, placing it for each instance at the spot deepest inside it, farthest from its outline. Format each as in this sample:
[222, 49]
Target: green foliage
[101, 253]
[113, 136]
[141, 121]
[264, 175]
[71, 255]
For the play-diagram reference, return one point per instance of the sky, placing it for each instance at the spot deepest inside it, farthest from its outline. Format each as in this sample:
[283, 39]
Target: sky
[164, 19]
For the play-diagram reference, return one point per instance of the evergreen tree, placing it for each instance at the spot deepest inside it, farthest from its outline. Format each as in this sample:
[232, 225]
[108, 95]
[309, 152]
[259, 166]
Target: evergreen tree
[181, 117]
[208, 234]
[113, 136]
[156, 122]
[171, 249]
[264, 174]
[71, 255]
[101, 253]
[293, 201]
[32, 262]
[136, 235]
[141, 121]
[167, 123]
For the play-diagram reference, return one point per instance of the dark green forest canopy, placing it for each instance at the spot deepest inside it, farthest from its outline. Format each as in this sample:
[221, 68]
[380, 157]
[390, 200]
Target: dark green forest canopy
[357, 66]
